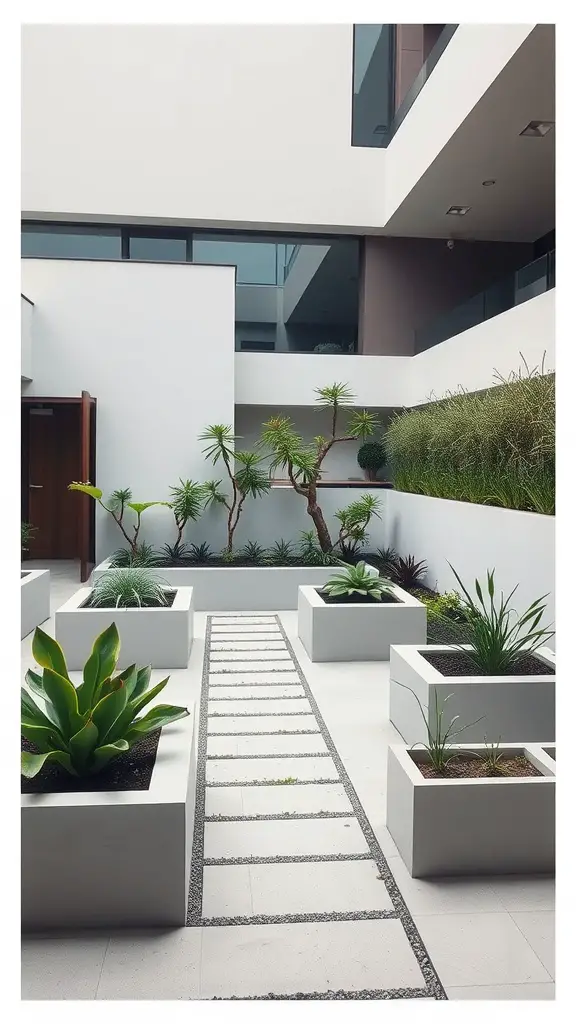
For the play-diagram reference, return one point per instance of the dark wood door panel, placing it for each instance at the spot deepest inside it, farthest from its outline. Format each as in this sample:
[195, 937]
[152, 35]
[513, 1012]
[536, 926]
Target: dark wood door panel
[54, 461]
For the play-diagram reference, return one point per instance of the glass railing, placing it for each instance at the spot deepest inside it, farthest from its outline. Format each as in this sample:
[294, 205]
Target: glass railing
[531, 280]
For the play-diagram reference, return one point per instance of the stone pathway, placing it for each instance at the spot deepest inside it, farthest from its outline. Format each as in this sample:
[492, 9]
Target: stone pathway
[281, 839]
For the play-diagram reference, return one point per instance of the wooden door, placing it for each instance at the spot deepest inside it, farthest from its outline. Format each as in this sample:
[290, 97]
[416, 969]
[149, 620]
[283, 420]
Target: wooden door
[53, 462]
[86, 522]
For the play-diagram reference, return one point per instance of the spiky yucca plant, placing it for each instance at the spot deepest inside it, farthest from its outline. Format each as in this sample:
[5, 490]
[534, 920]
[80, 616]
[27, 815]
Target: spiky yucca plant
[128, 588]
[244, 472]
[82, 728]
[188, 500]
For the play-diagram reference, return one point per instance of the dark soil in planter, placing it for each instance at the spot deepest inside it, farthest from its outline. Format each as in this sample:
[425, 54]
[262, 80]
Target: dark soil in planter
[357, 599]
[456, 663]
[129, 771]
[463, 767]
[170, 596]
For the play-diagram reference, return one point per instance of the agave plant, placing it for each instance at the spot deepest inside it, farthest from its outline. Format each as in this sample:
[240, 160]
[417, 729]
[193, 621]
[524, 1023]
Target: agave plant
[498, 641]
[356, 579]
[128, 588]
[82, 728]
[387, 558]
[407, 572]
[177, 552]
[200, 554]
[281, 553]
[253, 552]
[142, 556]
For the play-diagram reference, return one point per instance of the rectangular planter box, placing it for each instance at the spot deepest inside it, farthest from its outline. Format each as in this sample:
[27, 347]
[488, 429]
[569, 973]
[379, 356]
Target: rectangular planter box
[471, 826]
[518, 709]
[161, 637]
[34, 599]
[117, 859]
[255, 589]
[358, 632]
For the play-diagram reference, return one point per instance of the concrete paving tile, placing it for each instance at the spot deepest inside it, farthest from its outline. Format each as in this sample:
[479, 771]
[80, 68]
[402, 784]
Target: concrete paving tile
[249, 666]
[254, 656]
[251, 645]
[479, 949]
[262, 723]
[286, 959]
[243, 620]
[222, 634]
[62, 968]
[225, 800]
[220, 629]
[540, 930]
[273, 706]
[273, 691]
[266, 745]
[153, 964]
[261, 770]
[524, 892]
[545, 990]
[257, 678]
[317, 888]
[291, 799]
[444, 895]
[226, 891]
[314, 837]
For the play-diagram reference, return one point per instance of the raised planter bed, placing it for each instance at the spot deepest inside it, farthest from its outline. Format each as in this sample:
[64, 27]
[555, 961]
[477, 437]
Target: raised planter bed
[161, 637]
[518, 708]
[34, 599]
[115, 859]
[459, 826]
[239, 588]
[358, 631]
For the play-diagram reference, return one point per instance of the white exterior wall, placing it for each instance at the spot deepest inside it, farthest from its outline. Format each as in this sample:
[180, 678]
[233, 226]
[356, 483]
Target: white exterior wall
[474, 538]
[231, 124]
[26, 320]
[154, 344]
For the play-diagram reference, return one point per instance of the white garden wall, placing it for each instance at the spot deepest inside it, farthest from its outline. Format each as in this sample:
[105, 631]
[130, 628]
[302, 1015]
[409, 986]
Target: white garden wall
[154, 344]
[474, 538]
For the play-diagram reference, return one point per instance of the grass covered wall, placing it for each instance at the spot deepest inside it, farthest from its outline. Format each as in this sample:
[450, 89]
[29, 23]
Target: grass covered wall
[494, 447]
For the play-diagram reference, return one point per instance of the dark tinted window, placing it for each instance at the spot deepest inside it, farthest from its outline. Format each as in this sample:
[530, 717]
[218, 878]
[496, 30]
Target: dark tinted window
[157, 247]
[67, 242]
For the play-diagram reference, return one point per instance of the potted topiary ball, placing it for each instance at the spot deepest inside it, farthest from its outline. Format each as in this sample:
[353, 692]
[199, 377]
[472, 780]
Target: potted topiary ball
[371, 458]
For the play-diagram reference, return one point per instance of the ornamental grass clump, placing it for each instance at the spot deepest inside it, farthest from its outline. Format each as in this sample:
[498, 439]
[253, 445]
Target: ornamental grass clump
[82, 728]
[128, 588]
[440, 736]
[495, 447]
[499, 636]
[357, 579]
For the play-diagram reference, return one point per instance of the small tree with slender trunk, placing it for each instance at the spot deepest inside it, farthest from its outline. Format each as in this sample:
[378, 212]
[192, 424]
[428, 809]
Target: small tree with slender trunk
[303, 461]
[243, 470]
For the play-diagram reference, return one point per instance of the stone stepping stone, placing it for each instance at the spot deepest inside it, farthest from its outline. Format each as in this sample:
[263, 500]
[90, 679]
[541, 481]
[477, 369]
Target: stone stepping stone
[253, 706]
[225, 636]
[251, 645]
[290, 690]
[321, 887]
[238, 667]
[311, 837]
[245, 745]
[254, 628]
[244, 620]
[263, 723]
[255, 678]
[253, 656]
[271, 769]
[255, 800]
[286, 959]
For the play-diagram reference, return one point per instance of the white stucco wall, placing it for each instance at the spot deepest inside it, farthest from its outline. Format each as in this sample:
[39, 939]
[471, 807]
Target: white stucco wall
[208, 123]
[154, 344]
[26, 320]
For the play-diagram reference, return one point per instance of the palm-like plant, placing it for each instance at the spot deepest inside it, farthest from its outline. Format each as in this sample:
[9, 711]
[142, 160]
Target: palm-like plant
[354, 520]
[188, 501]
[303, 461]
[83, 728]
[243, 470]
[128, 588]
[118, 502]
[497, 640]
[357, 579]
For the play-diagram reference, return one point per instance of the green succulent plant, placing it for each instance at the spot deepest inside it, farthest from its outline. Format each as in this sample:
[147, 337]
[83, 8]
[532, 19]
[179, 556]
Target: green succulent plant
[128, 588]
[27, 532]
[82, 728]
[253, 552]
[356, 579]
[371, 457]
[281, 553]
[142, 556]
[200, 554]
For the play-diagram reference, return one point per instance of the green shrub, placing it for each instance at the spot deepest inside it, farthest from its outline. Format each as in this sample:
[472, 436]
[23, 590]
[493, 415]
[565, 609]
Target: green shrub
[371, 457]
[128, 588]
[493, 448]
[356, 579]
[82, 728]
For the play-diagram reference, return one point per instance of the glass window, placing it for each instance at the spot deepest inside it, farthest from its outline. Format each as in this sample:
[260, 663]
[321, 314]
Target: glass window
[373, 95]
[255, 262]
[61, 241]
[157, 247]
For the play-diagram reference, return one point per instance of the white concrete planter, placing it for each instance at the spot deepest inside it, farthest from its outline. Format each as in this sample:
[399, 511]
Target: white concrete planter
[224, 589]
[358, 632]
[34, 599]
[471, 826]
[118, 859]
[161, 637]
[513, 708]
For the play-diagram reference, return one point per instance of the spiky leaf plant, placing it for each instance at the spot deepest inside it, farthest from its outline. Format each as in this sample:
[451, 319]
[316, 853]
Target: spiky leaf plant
[355, 518]
[118, 502]
[407, 572]
[311, 552]
[356, 579]
[253, 552]
[128, 588]
[143, 556]
[281, 553]
[243, 469]
[188, 501]
[176, 553]
[387, 558]
[200, 554]
[499, 636]
[82, 728]
[439, 735]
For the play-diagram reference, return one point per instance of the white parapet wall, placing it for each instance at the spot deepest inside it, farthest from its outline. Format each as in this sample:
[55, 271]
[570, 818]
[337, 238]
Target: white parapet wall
[26, 320]
[474, 538]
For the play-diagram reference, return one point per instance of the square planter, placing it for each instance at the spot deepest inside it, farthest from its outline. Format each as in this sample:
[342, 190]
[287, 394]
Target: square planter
[519, 709]
[471, 826]
[34, 599]
[358, 632]
[119, 859]
[161, 637]
[244, 588]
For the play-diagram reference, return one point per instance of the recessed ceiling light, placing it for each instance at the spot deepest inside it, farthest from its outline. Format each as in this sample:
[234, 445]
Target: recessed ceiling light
[537, 129]
[489, 181]
[458, 211]
[380, 129]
